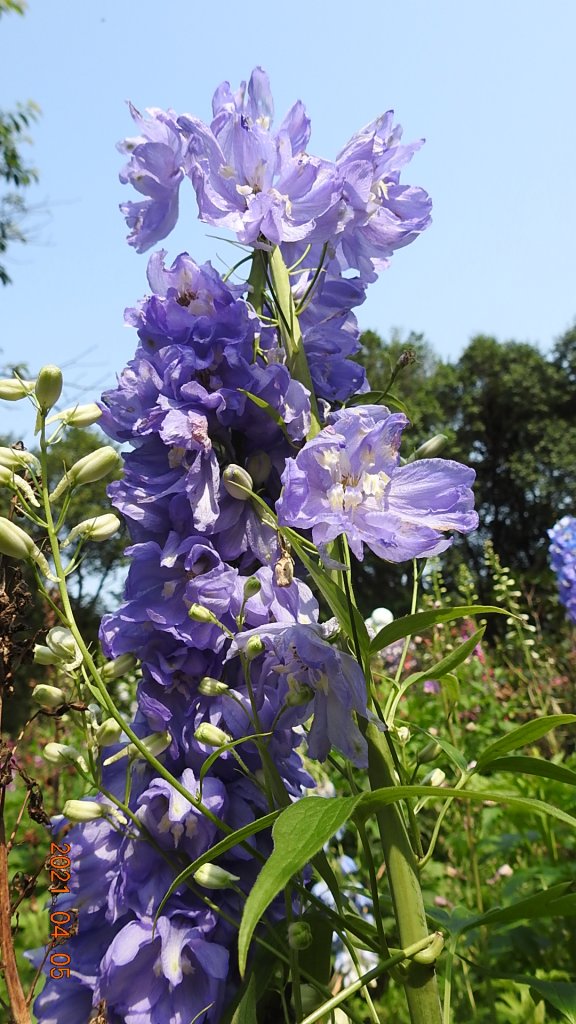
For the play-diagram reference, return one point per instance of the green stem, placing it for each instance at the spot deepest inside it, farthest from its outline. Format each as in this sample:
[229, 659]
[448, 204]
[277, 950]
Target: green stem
[289, 329]
[420, 979]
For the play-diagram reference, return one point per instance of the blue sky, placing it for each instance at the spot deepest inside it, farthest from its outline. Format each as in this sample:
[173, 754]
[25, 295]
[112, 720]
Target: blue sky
[489, 84]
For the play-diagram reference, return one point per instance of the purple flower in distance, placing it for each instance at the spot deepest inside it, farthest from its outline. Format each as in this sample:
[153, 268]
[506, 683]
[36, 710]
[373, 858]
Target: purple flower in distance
[155, 169]
[348, 480]
[334, 681]
[563, 561]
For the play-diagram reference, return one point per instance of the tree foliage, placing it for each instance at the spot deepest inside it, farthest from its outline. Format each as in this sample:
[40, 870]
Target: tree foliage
[509, 411]
[15, 171]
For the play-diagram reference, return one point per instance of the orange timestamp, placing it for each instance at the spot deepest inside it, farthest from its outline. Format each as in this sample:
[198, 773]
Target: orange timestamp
[61, 920]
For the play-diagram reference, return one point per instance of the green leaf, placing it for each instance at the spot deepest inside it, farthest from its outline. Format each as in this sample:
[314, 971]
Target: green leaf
[378, 398]
[366, 398]
[560, 994]
[271, 412]
[395, 403]
[234, 839]
[452, 752]
[318, 957]
[449, 663]
[527, 733]
[546, 903]
[299, 833]
[370, 802]
[246, 1009]
[534, 766]
[451, 687]
[417, 623]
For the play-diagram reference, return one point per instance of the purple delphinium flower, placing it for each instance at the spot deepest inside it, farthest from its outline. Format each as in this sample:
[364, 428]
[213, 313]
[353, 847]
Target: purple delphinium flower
[155, 169]
[329, 678]
[563, 561]
[349, 480]
[257, 182]
[263, 185]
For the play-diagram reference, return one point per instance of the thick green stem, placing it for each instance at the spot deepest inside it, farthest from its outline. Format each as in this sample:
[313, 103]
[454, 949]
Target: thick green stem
[402, 868]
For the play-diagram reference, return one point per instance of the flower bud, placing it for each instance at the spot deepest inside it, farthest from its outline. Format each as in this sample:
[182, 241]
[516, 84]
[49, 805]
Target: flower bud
[61, 642]
[88, 470]
[44, 656]
[209, 687]
[199, 613]
[9, 479]
[259, 467]
[299, 935]
[98, 528]
[429, 752]
[13, 458]
[79, 415]
[12, 389]
[48, 696]
[254, 647]
[108, 733]
[155, 744]
[237, 482]
[211, 735]
[432, 952]
[48, 387]
[434, 778]
[61, 753]
[15, 542]
[403, 734]
[211, 876]
[120, 666]
[84, 810]
[431, 448]
[252, 587]
[381, 617]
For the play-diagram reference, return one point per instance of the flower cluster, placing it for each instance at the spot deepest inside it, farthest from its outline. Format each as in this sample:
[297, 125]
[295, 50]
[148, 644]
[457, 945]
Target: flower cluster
[563, 560]
[230, 643]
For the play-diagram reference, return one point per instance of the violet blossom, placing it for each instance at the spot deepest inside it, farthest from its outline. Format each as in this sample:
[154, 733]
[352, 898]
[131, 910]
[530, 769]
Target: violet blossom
[349, 480]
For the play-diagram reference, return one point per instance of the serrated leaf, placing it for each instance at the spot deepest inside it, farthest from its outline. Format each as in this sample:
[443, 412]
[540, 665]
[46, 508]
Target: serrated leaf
[299, 832]
[520, 737]
[408, 625]
[519, 765]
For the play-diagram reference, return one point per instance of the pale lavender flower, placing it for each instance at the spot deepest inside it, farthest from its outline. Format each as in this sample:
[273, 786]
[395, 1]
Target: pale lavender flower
[349, 480]
[155, 169]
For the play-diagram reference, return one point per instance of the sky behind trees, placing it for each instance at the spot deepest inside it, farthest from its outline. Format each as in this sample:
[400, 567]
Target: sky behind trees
[490, 85]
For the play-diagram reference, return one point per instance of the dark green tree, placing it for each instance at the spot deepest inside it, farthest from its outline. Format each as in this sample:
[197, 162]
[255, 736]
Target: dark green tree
[509, 411]
[15, 171]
